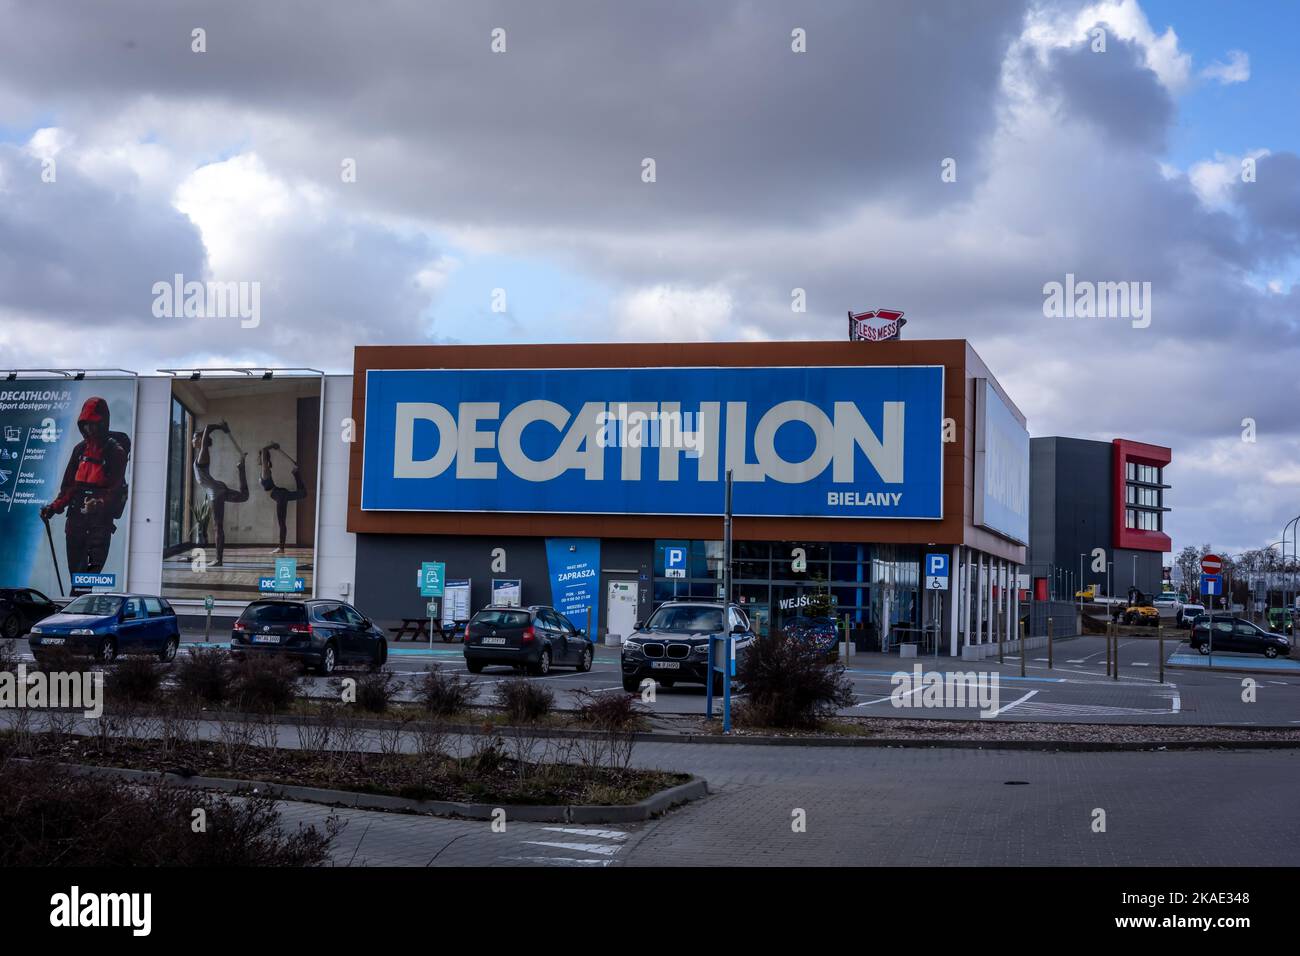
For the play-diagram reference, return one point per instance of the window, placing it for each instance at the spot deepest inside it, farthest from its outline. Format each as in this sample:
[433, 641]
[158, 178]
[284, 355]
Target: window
[134, 609]
[274, 613]
[153, 606]
[498, 618]
[96, 605]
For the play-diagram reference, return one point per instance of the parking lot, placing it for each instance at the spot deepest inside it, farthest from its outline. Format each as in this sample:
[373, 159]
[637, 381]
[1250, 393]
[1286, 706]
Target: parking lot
[1076, 689]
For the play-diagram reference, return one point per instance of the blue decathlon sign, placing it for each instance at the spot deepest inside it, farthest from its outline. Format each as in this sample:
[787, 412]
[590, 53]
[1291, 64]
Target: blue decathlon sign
[85, 579]
[858, 442]
[298, 586]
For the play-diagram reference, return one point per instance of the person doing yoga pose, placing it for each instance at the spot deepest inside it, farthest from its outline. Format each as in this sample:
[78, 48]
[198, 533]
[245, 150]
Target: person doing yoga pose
[281, 496]
[218, 492]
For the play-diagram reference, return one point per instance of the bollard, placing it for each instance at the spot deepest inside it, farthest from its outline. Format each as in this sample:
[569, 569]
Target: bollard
[1050, 662]
[1160, 636]
[1110, 626]
[1114, 668]
[1023, 642]
[1000, 658]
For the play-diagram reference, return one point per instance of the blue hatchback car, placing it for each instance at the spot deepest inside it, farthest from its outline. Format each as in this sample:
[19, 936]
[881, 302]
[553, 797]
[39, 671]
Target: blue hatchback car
[106, 625]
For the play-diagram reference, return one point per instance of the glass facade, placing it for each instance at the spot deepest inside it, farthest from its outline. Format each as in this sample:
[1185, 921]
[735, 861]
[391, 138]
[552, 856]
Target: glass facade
[777, 581]
[1143, 497]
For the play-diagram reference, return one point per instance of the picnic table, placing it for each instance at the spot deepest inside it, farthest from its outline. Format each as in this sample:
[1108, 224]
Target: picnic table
[418, 628]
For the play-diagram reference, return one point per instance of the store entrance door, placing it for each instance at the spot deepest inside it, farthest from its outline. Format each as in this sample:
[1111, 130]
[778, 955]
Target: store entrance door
[620, 616]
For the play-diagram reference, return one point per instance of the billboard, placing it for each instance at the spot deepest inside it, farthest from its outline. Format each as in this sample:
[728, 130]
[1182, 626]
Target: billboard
[242, 463]
[1001, 466]
[574, 565]
[65, 483]
[857, 441]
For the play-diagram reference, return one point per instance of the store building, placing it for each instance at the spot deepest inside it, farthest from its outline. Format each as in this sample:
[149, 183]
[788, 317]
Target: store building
[591, 477]
[1097, 516]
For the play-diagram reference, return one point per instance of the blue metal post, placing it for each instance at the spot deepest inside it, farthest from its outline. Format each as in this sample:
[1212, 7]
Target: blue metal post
[708, 705]
[726, 685]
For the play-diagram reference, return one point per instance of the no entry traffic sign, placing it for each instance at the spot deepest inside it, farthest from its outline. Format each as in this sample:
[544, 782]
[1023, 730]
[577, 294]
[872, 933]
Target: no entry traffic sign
[1211, 564]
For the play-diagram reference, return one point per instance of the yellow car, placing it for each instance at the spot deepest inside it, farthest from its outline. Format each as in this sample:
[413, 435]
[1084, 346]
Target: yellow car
[1142, 615]
[1087, 594]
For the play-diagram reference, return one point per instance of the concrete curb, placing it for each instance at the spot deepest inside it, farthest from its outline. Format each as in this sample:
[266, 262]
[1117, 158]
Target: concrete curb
[652, 806]
[770, 740]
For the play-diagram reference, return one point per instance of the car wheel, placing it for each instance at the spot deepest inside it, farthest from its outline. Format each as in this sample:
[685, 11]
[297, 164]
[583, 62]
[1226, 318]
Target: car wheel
[1204, 649]
[11, 628]
[474, 667]
[328, 659]
[584, 663]
[632, 684]
[543, 665]
[107, 652]
[1270, 652]
[168, 653]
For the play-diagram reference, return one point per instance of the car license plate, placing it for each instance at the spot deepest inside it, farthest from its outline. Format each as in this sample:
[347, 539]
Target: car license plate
[666, 665]
[56, 641]
[494, 640]
[266, 638]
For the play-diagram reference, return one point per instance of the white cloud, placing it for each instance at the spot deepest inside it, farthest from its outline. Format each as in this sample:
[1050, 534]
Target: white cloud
[1050, 27]
[1236, 70]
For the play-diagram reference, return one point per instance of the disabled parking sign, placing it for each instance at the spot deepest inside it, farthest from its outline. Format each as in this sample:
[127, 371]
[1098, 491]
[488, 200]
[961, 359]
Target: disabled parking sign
[674, 562]
[936, 572]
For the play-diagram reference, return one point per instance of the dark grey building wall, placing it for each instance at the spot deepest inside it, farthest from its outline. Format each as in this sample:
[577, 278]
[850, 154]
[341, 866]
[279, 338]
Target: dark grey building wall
[1071, 500]
[387, 566]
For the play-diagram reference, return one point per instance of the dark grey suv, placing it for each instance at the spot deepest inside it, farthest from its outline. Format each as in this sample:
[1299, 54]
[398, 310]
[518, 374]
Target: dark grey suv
[672, 645]
[534, 638]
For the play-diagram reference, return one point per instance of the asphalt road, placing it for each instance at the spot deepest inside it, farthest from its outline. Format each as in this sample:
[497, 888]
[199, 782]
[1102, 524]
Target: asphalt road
[1075, 690]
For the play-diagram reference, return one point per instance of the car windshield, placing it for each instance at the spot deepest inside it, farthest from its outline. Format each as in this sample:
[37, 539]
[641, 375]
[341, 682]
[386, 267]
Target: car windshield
[98, 605]
[274, 613]
[686, 619]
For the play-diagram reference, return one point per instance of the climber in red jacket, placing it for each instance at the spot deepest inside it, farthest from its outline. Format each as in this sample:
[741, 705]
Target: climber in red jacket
[93, 490]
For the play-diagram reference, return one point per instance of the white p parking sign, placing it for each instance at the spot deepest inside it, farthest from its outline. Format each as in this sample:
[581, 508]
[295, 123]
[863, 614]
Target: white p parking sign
[936, 572]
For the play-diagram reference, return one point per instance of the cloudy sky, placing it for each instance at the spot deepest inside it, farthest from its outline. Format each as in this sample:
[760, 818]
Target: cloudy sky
[381, 171]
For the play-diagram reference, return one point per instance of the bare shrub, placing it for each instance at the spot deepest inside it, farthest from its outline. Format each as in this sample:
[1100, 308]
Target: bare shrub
[135, 680]
[207, 675]
[50, 817]
[523, 700]
[266, 683]
[445, 693]
[791, 685]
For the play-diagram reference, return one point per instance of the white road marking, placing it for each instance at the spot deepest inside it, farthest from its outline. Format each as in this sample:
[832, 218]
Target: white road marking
[1003, 710]
[560, 860]
[603, 834]
[881, 700]
[603, 849]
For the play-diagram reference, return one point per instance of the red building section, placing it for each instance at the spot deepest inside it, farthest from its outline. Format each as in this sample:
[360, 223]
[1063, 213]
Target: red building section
[1139, 495]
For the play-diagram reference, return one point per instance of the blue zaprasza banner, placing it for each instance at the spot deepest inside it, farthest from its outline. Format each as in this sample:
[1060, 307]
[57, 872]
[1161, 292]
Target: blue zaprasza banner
[65, 456]
[860, 441]
[574, 565]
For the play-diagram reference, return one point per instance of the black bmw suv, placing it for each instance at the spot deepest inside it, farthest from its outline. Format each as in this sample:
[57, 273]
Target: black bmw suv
[672, 646]
[321, 634]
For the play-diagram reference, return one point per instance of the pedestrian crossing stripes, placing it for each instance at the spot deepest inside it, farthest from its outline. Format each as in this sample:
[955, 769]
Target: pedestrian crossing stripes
[579, 850]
